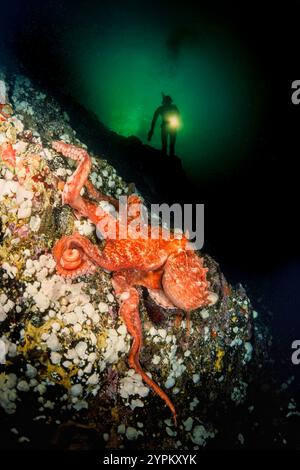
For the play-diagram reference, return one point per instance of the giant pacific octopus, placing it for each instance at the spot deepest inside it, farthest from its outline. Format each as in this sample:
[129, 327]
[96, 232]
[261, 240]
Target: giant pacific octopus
[173, 274]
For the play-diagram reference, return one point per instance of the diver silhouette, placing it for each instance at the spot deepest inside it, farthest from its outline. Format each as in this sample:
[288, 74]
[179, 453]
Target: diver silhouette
[170, 121]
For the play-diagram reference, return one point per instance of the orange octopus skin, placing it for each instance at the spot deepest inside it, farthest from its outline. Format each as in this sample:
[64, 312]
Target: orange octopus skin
[130, 314]
[83, 252]
[162, 265]
[184, 280]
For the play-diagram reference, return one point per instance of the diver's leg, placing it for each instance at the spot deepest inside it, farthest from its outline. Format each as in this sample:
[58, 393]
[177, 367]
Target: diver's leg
[164, 141]
[172, 143]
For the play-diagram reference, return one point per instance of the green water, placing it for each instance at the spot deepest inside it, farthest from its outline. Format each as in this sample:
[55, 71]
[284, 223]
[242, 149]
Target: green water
[120, 72]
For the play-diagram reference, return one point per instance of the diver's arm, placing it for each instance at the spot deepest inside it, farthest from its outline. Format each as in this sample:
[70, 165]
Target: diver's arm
[155, 116]
[177, 111]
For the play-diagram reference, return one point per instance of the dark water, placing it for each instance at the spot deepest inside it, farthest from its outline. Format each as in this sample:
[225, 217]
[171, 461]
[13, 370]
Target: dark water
[250, 213]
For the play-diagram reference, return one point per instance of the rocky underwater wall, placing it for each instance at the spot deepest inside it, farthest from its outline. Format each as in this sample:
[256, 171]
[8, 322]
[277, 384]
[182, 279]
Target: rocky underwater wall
[63, 346]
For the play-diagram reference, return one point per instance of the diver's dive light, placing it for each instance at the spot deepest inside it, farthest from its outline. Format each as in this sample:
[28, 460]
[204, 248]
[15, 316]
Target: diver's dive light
[174, 122]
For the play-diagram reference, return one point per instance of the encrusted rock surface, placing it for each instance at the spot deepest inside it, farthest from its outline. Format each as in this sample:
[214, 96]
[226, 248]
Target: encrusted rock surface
[63, 347]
